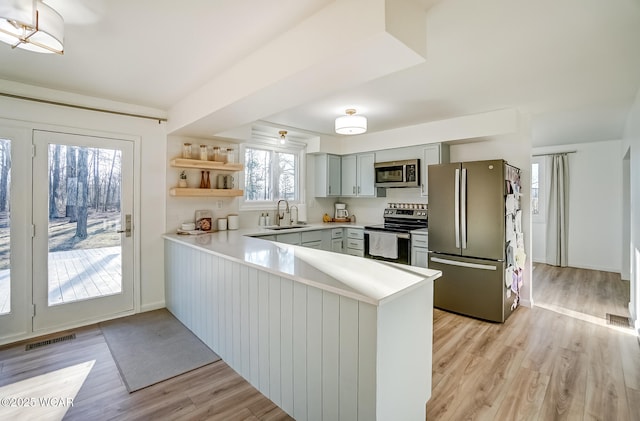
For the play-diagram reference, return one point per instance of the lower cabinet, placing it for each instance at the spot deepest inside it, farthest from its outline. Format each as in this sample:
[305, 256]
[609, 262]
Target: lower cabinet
[312, 239]
[289, 238]
[419, 250]
[355, 242]
[337, 240]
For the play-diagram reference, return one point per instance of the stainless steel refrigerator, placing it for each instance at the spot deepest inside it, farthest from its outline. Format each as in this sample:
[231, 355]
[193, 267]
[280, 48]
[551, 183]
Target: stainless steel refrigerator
[467, 238]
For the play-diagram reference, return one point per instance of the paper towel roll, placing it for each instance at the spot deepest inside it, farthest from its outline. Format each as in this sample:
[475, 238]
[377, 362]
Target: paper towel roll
[302, 212]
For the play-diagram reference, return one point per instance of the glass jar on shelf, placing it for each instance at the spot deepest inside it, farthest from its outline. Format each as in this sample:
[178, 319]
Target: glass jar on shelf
[186, 150]
[203, 152]
[231, 155]
[215, 153]
[223, 155]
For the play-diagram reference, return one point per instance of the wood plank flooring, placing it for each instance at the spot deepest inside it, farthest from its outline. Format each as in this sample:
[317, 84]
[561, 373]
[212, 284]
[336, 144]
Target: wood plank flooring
[212, 392]
[539, 365]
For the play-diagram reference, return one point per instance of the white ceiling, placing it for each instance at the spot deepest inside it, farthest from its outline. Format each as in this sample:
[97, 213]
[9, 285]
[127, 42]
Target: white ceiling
[573, 64]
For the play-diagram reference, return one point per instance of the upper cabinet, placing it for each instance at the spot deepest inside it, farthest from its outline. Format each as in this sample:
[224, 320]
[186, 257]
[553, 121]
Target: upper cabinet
[436, 153]
[358, 176]
[327, 175]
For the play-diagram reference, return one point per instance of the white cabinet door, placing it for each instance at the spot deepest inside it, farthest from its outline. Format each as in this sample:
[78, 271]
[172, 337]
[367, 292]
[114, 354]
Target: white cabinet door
[436, 153]
[366, 176]
[419, 257]
[335, 171]
[327, 172]
[358, 177]
[336, 245]
[349, 175]
[289, 238]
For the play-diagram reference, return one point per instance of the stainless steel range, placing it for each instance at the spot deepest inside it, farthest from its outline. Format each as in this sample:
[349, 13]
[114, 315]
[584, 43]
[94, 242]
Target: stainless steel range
[391, 241]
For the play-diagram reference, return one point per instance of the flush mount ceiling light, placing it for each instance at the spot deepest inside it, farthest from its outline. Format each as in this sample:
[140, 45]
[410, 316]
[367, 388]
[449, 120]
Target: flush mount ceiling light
[283, 136]
[31, 25]
[351, 123]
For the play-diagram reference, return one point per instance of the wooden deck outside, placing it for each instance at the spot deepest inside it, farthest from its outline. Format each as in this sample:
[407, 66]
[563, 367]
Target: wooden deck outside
[76, 275]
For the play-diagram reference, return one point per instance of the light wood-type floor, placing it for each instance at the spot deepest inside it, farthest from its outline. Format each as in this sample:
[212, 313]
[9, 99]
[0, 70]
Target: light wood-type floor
[540, 365]
[212, 392]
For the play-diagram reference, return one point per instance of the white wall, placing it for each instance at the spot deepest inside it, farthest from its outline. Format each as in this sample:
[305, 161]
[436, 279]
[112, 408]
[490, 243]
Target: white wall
[149, 179]
[632, 142]
[595, 205]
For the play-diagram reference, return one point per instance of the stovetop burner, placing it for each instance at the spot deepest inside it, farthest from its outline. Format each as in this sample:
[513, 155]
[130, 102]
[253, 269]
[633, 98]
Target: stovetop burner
[402, 220]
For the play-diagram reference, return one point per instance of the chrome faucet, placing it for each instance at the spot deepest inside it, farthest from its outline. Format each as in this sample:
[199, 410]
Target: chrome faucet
[280, 217]
[294, 220]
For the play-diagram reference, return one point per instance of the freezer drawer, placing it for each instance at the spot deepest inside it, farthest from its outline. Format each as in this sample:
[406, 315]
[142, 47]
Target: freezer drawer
[472, 287]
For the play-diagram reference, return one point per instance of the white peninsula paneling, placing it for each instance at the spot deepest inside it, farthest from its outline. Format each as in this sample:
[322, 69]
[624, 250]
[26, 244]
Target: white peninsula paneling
[315, 353]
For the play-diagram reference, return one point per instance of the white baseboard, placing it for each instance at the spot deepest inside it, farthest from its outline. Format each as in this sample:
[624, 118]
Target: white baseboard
[580, 266]
[152, 306]
[526, 303]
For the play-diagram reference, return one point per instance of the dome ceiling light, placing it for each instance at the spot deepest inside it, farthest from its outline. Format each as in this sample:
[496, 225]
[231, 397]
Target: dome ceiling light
[351, 123]
[283, 136]
[31, 25]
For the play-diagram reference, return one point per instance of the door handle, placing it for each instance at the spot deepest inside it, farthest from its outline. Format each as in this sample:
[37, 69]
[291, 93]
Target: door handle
[463, 209]
[127, 226]
[463, 264]
[456, 209]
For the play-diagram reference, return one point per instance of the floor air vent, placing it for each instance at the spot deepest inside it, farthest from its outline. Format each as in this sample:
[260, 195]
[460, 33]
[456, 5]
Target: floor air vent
[619, 321]
[50, 341]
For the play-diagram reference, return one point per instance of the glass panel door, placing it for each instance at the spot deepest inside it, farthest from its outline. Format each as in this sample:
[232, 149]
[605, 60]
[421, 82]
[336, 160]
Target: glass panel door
[83, 245]
[15, 237]
[5, 226]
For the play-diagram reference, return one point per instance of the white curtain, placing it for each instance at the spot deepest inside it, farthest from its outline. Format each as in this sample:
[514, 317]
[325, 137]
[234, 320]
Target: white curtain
[558, 212]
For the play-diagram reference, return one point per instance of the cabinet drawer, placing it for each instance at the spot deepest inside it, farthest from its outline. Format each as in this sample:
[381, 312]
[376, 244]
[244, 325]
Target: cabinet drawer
[336, 233]
[355, 244]
[355, 252]
[313, 244]
[309, 236]
[355, 233]
[419, 240]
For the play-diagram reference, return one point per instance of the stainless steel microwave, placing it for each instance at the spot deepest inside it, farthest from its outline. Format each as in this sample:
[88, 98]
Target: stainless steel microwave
[398, 173]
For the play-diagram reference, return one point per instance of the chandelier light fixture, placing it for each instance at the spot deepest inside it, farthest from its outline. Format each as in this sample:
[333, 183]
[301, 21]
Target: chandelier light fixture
[31, 25]
[351, 123]
[283, 136]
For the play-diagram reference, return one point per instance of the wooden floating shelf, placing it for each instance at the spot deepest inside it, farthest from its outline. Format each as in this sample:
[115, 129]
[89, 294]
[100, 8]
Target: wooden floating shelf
[205, 165]
[190, 192]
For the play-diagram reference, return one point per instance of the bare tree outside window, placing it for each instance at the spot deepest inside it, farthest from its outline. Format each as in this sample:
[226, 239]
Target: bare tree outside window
[270, 175]
[84, 197]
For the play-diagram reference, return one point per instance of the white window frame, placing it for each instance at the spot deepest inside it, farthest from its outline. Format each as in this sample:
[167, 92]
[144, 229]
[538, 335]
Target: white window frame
[292, 147]
[541, 216]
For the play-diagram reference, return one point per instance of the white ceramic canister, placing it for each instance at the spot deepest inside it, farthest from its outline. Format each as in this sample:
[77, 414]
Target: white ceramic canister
[222, 224]
[233, 222]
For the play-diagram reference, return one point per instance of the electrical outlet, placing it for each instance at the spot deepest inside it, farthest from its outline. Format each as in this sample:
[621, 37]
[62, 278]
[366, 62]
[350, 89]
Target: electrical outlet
[219, 204]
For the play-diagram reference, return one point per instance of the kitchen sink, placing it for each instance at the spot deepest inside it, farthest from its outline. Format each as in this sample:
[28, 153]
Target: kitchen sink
[284, 227]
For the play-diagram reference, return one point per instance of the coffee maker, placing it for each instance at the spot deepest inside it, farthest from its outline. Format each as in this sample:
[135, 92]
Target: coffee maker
[341, 211]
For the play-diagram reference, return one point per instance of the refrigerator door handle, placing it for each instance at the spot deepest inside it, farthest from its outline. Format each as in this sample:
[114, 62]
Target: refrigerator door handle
[463, 264]
[463, 208]
[456, 209]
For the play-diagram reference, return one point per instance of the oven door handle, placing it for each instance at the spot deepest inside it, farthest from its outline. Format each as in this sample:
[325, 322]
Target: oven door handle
[404, 236]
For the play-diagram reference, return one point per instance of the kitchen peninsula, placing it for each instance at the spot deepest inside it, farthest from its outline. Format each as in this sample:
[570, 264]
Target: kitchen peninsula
[323, 335]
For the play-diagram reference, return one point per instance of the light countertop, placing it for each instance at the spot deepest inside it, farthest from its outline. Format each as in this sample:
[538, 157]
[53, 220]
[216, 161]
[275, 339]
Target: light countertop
[366, 280]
